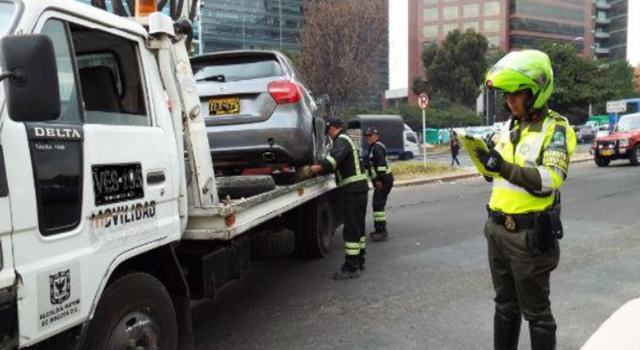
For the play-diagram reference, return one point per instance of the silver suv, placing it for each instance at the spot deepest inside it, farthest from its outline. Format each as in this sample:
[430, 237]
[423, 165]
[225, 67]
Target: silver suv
[258, 112]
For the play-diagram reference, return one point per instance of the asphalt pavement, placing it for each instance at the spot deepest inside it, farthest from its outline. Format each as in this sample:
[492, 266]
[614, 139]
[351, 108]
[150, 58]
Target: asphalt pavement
[429, 286]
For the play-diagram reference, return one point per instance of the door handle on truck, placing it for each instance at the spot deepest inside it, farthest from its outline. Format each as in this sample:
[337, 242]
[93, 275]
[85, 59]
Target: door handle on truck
[155, 177]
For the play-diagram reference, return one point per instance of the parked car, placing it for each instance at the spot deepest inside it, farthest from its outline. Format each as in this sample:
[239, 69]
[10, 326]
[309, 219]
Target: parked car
[624, 143]
[585, 133]
[259, 113]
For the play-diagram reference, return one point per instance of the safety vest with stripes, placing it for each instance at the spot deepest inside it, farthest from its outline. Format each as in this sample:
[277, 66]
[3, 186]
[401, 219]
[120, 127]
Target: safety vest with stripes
[545, 145]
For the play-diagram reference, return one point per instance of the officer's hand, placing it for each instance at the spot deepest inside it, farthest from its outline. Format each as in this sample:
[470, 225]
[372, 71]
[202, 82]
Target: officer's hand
[378, 185]
[491, 160]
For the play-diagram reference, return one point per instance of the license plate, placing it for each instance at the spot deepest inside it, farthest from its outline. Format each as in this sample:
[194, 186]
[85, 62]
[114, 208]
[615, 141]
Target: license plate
[606, 152]
[224, 105]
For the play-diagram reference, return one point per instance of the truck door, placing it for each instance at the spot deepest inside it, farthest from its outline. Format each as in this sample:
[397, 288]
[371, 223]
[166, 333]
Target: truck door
[7, 275]
[93, 185]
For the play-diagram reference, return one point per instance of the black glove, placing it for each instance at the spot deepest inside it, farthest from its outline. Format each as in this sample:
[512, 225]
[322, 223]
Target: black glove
[491, 160]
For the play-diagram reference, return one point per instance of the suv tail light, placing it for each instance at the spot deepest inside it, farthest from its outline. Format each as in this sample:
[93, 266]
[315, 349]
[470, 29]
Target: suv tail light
[285, 92]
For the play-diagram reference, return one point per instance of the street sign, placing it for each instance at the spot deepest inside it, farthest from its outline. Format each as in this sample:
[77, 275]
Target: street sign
[616, 107]
[423, 100]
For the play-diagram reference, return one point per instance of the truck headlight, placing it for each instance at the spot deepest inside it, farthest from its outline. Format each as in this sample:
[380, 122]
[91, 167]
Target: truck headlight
[623, 143]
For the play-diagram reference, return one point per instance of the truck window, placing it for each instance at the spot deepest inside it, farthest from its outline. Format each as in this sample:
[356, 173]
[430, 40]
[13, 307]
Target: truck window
[69, 103]
[112, 92]
[7, 10]
[106, 59]
[57, 163]
[412, 138]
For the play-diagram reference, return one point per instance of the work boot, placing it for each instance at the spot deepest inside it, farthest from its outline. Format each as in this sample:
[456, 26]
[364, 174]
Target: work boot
[349, 269]
[381, 233]
[361, 259]
[506, 331]
[543, 334]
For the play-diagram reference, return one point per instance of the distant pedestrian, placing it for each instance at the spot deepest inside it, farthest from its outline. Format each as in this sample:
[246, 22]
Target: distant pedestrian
[454, 144]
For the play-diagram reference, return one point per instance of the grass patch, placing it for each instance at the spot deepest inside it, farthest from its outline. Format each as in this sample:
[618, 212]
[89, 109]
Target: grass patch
[413, 169]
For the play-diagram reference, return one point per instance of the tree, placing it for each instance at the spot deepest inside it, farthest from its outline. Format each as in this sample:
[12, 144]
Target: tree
[582, 81]
[456, 68]
[340, 48]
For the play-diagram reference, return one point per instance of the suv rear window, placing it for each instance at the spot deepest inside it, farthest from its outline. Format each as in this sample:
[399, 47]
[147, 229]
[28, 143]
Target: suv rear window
[236, 69]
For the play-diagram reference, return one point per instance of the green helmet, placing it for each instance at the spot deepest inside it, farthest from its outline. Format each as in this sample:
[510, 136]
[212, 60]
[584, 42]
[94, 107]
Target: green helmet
[521, 70]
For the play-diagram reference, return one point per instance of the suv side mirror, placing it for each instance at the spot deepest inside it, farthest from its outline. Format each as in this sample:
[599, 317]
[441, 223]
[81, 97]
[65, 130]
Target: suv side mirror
[31, 77]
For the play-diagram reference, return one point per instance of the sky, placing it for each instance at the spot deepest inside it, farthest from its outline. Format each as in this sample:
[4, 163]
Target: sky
[398, 40]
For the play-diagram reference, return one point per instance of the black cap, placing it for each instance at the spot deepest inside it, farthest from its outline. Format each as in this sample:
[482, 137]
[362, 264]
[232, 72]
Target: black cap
[372, 131]
[335, 122]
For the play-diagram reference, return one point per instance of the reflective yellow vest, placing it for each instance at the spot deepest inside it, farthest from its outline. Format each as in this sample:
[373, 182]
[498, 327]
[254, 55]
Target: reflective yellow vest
[546, 145]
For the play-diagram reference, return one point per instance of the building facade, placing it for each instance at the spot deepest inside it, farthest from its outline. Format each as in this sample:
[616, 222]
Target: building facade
[610, 22]
[507, 24]
[251, 24]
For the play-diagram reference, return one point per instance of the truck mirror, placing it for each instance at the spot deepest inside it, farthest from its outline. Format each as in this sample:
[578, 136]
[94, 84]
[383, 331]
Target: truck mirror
[31, 78]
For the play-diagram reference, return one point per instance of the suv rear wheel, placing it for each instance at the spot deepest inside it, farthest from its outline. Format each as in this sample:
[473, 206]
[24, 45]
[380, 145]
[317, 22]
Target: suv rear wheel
[634, 156]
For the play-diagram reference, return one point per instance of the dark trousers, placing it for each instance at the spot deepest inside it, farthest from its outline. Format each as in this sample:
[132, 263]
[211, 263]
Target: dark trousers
[454, 157]
[520, 274]
[355, 213]
[380, 199]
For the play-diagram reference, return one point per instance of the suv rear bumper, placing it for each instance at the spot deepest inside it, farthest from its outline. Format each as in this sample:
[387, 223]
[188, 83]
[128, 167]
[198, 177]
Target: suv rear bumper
[8, 319]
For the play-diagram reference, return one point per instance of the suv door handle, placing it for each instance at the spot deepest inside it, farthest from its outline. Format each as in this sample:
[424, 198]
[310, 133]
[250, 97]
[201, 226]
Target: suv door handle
[155, 177]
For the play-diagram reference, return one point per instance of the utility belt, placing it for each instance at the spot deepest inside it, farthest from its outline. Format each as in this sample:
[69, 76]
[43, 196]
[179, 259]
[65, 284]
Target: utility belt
[545, 226]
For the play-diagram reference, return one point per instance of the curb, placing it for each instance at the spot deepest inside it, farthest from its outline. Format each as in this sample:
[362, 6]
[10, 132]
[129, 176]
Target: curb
[454, 177]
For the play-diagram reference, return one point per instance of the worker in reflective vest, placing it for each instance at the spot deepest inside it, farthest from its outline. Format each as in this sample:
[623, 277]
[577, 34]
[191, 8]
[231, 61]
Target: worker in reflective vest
[530, 161]
[344, 161]
[382, 179]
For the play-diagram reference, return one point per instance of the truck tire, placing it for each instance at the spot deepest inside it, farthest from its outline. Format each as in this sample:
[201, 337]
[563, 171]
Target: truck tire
[634, 156]
[272, 244]
[243, 186]
[405, 156]
[314, 235]
[135, 312]
[601, 161]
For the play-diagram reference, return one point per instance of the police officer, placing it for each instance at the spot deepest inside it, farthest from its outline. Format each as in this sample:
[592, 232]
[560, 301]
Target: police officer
[344, 160]
[382, 179]
[529, 163]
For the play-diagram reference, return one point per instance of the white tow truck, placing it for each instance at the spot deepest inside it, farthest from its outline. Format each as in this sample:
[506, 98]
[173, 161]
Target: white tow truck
[107, 232]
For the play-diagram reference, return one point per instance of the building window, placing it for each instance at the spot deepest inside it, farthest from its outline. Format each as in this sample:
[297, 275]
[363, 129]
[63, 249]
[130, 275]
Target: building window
[491, 26]
[449, 28]
[492, 8]
[430, 31]
[430, 14]
[450, 12]
[475, 25]
[472, 10]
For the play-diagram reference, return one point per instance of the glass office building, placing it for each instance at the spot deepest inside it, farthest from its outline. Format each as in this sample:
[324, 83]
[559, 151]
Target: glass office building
[251, 24]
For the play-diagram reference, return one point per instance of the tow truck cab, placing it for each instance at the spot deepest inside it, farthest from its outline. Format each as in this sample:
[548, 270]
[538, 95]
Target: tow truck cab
[103, 238]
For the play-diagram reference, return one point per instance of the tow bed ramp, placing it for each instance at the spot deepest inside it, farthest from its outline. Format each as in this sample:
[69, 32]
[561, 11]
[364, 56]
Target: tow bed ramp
[232, 218]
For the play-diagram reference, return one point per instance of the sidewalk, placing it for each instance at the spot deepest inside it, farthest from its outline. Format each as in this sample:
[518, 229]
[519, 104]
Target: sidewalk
[579, 158]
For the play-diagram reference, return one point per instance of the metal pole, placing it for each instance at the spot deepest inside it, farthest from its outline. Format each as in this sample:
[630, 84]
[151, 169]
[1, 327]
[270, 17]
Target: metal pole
[424, 138]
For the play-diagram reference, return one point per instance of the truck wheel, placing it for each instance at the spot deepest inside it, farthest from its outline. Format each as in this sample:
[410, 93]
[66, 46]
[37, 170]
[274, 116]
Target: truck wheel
[634, 156]
[313, 237]
[601, 161]
[135, 312]
[243, 186]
